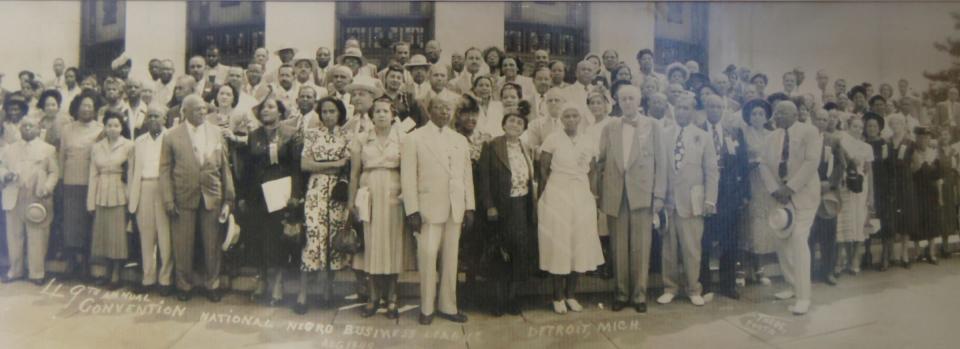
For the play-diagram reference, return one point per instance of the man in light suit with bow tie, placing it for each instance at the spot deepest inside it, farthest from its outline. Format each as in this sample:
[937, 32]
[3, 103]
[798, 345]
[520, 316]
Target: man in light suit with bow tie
[437, 184]
[789, 173]
[197, 190]
[691, 195]
[633, 187]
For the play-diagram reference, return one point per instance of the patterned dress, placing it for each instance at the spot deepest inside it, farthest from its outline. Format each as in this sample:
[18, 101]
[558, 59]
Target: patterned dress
[322, 215]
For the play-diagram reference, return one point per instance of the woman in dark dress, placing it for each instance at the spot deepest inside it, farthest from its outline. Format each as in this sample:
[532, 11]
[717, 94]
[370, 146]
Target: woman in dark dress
[271, 155]
[926, 174]
[901, 198]
[508, 193]
[878, 204]
[949, 190]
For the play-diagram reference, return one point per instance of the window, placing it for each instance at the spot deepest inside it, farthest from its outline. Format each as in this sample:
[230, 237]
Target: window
[378, 25]
[681, 34]
[236, 27]
[102, 36]
[558, 27]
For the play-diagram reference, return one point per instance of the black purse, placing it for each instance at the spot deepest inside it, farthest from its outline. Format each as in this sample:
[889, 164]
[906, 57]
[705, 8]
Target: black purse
[339, 193]
[854, 181]
[348, 239]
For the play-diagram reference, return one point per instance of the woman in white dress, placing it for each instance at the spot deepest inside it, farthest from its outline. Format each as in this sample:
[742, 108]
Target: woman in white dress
[568, 239]
[853, 205]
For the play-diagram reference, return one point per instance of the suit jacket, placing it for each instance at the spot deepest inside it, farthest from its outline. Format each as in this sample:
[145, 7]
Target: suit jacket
[135, 171]
[183, 181]
[947, 115]
[697, 169]
[436, 174]
[496, 178]
[642, 178]
[805, 148]
[733, 163]
[36, 167]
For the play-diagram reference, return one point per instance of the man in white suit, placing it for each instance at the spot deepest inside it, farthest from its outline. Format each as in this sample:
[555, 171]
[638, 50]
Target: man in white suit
[146, 204]
[691, 195]
[437, 185]
[789, 172]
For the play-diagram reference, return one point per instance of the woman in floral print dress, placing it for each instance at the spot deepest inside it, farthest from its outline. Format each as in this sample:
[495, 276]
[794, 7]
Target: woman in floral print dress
[325, 153]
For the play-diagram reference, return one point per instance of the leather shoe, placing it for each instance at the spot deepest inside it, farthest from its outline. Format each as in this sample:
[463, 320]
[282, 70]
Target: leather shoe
[831, 280]
[6, 279]
[139, 289]
[618, 305]
[425, 319]
[212, 295]
[458, 317]
[165, 291]
[513, 308]
[299, 308]
[392, 311]
[368, 310]
[731, 293]
[38, 282]
[183, 296]
[640, 307]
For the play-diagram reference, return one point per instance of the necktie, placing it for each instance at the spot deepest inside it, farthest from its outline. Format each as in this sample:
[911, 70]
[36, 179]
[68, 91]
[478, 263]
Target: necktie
[678, 151]
[632, 122]
[716, 139]
[784, 154]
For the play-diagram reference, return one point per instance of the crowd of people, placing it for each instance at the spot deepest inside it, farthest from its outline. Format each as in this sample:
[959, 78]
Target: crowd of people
[312, 164]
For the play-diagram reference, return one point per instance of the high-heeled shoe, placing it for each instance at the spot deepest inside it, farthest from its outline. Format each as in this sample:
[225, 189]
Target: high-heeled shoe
[369, 310]
[392, 311]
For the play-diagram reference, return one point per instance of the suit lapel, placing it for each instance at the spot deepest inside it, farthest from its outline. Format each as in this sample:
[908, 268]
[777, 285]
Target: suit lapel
[617, 146]
[500, 148]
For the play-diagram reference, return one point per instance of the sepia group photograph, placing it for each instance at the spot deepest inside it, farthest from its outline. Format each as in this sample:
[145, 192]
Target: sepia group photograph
[479, 174]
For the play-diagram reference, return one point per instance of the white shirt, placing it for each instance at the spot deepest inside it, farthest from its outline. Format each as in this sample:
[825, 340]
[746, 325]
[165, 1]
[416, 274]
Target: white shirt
[150, 155]
[628, 133]
[198, 136]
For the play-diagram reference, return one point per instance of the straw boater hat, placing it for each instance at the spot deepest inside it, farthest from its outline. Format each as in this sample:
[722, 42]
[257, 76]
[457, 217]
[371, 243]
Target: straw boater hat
[294, 49]
[829, 205]
[36, 213]
[303, 57]
[417, 61]
[352, 52]
[781, 219]
[120, 61]
[367, 83]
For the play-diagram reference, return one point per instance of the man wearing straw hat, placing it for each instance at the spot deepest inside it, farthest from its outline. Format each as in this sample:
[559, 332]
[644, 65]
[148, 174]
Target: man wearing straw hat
[789, 173]
[28, 175]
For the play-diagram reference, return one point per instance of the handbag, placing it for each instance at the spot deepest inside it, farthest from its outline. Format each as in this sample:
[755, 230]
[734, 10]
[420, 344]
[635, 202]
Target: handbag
[854, 181]
[349, 239]
[339, 192]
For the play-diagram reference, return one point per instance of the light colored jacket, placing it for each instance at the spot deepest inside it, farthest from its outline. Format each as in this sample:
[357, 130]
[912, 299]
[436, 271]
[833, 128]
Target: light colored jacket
[642, 178]
[697, 176]
[436, 174]
[805, 148]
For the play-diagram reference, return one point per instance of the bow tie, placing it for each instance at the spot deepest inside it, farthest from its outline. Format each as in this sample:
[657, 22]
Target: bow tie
[631, 121]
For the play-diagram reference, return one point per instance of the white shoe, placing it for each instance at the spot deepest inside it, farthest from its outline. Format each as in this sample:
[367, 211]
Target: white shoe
[559, 307]
[765, 281]
[800, 308]
[697, 300]
[666, 298]
[573, 305]
[786, 294]
[707, 298]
